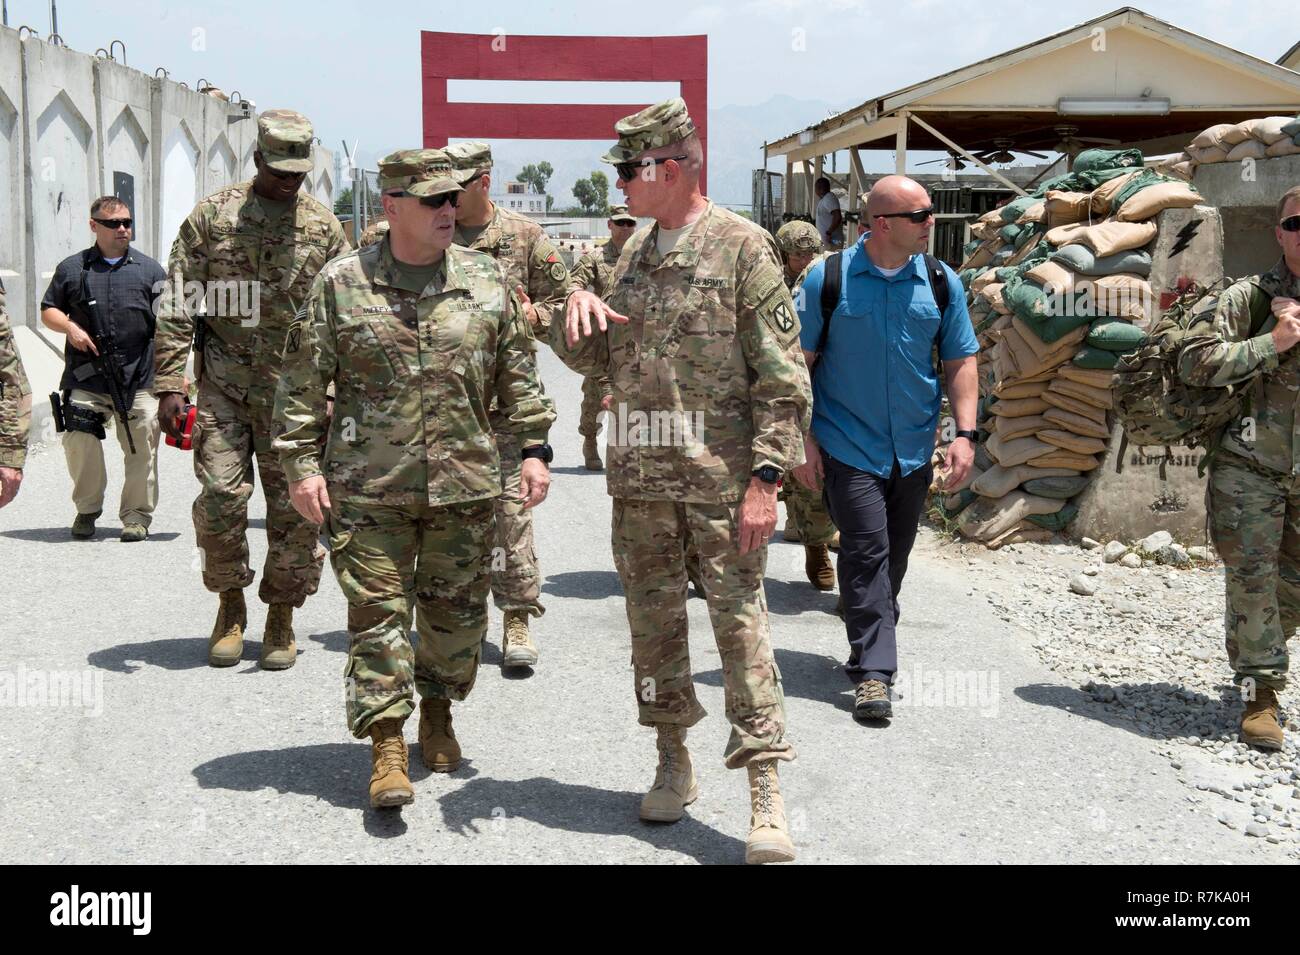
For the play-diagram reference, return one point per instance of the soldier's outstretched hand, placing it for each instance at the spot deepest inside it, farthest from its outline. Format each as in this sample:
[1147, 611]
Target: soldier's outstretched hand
[310, 499]
[534, 482]
[584, 311]
[530, 310]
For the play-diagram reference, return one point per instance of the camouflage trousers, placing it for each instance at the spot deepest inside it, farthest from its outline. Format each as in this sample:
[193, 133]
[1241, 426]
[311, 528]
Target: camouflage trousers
[1255, 525]
[516, 581]
[593, 392]
[395, 560]
[806, 510]
[649, 552]
[227, 436]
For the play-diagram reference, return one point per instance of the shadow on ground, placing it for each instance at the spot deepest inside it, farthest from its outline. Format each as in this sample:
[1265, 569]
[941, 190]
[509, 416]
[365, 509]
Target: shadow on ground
[584, 584]
[809, 676]
[61, 535]
[1209, 718]
[181, 653]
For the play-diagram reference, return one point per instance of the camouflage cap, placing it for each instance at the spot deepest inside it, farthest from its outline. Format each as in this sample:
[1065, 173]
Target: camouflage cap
[420, 172]
[284, 140]
[470, 158]
[798, 236]
[659, 125]
[619, 213]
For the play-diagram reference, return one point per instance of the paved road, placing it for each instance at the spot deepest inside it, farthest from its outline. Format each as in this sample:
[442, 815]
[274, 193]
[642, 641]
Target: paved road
[170, 761]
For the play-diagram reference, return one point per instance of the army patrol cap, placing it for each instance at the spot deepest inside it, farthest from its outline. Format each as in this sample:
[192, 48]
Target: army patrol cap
[420, 172]
[470, 159]
[659, 125]
[798, 236]
[620, 214]
[284, 140]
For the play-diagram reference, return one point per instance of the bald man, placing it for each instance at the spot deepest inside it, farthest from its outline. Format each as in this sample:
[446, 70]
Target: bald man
[876, 402]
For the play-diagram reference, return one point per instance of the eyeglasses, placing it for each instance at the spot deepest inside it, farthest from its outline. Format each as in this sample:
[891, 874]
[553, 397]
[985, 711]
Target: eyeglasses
[627, 170]
[1290, 224]
[917, 215]
[285, 175]
[115, 223]
[433, 202]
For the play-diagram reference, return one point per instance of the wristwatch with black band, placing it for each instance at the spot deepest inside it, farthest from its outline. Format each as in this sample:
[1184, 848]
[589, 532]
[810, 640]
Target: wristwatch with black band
[542, 451]
[768, 474]
[972, 436]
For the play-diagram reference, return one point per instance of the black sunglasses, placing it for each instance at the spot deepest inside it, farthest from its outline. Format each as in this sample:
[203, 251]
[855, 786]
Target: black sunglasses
[1290, 224]
[285, 175]
[433, 202]
[627, 170]
[115, 223]
[917, 216]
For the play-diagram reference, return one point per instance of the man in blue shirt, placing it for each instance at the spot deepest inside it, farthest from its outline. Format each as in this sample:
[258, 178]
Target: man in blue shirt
[876, 405]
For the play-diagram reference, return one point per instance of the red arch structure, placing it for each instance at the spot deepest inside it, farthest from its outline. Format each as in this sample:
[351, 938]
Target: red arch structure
[471, 56]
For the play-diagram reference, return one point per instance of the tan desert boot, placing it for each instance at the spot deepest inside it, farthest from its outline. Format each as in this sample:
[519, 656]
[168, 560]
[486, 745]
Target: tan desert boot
[769, 836]
[279, 651]
[389, 784]
[591, 454]
[438, 744]
[517, 648]
[226, 645]
[817, 565]
[1259, 725]
[674, 787]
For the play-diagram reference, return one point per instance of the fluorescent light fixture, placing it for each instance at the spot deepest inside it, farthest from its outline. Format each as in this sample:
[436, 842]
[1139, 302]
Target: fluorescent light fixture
[806, 137]
[1100, 106]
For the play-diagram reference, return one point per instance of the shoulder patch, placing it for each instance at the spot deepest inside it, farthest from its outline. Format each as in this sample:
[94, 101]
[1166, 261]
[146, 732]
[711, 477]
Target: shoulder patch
[557, 271]
[775, 310]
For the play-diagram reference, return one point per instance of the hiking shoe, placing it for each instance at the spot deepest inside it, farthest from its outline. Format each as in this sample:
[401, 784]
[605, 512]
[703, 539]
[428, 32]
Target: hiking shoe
[871, 701]
[517, 647]
[83, 527]
[133, 533]
[1259, 724]
[817, 565]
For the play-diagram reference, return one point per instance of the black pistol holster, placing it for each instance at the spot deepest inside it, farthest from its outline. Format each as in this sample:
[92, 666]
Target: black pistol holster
[70, 417]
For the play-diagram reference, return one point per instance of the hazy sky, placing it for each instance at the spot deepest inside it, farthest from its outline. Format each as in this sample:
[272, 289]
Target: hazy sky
[354, 68]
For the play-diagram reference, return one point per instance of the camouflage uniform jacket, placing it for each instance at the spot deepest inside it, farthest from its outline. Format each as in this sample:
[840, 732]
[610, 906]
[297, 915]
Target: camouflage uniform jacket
[1232, 356]
[415, 373]
[15, 397]
[711, 351]
[228, 238]
[529, 258]
[595, 269]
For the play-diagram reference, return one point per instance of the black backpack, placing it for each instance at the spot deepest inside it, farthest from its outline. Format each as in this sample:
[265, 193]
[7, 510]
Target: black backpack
[832, 278]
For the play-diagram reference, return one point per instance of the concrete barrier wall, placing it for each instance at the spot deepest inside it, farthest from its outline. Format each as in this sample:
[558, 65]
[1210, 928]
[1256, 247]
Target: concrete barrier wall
[74, 127]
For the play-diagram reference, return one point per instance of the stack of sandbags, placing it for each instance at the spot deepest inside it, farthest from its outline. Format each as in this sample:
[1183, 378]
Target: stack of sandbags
[1232, 142]
[1051, 325]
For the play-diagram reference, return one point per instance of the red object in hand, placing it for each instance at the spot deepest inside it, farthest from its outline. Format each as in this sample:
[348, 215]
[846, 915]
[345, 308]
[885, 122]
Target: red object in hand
[185, 422]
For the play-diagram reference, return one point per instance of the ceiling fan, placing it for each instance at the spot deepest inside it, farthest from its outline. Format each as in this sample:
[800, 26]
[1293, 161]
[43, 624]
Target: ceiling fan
[1002, 152]
[1071, 144]
[953, 162]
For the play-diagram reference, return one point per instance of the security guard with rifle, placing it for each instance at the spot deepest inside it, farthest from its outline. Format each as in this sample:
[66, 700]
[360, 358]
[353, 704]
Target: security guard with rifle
[102, 299]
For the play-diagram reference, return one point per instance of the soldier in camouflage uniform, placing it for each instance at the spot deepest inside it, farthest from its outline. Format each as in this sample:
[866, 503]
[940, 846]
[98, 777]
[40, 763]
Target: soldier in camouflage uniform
[593, 272]
[15, 410]
[1253, 495]
[534, 267]
[420, 337]
[701, 344]
[259, 244]
[373, 233]
[807, 521]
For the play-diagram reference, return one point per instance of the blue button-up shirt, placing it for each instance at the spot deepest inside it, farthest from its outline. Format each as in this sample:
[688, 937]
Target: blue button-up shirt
[876, 392]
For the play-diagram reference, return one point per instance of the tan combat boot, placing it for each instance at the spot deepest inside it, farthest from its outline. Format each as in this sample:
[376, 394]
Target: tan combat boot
[591, 454]
[226, 645]
[674, 787]
[769, 836]
[1259, 724]
[517, 648]
[438, 743]
[817, 565]
[389, 784]
[279, 651]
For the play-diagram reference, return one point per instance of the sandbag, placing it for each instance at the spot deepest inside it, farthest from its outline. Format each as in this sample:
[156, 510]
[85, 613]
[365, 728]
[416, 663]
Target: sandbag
[1084, 261]
[1052, 275]
[1069, 441]
[1267, 130]
[1008, 429]
[1034, 358]
[1069, 421]
[983, 460]
[1151, 201]
[1019, 407]
[983, 280]
[1183, 170]
[1009, 233]
[981, 256]
[1020, 389]
[1115, 334]
[1050, 351]
[1065, 459]
[1060, 487]
[998, 481]
[1105, 238]
[1283, 147]
[1214, 135]
[989, 518]
[1070, 403]
[1096, 359]
[958, 501]
[1234, 134]
[1207, 155]
[1062, 208]
[1097, 397]
[1023, 533]
[1247, 149]
[1055, 522]
[1033, 214]
[1094, 160]
[1124, 296]
[1017, 450]
[1014, 209]
[972, 475]
[1103, 197]
[1097, 377]
[1292, 128]
[1026, 252]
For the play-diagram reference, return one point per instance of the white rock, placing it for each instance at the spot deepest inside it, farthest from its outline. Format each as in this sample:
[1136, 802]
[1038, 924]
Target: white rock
[1155, 542]
[1130, 560]
[1086, 586]
[1113, 552]
[1092, 571]
[1089, 544]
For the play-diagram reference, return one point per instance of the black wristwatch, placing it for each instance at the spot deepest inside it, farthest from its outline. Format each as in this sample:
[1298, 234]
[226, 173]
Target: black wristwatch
[972, 436]
[542, 451]
[768, 474]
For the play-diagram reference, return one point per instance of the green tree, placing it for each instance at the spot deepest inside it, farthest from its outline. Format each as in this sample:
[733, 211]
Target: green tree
[537, 175]
[593, 194]
[343, 202]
